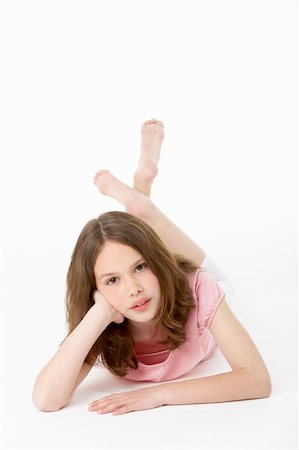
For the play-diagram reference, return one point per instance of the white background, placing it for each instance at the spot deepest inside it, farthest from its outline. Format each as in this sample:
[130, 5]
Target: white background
[79, 79]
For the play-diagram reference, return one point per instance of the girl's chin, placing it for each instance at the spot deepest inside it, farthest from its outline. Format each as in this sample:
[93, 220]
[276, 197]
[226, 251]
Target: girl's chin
[141, 318]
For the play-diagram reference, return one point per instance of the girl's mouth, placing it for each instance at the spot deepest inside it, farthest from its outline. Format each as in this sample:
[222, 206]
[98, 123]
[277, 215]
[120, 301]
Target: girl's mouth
[141, 305]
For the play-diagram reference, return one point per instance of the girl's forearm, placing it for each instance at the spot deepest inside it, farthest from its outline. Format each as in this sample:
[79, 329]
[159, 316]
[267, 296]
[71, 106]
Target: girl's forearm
[239, 384]
[55, 383]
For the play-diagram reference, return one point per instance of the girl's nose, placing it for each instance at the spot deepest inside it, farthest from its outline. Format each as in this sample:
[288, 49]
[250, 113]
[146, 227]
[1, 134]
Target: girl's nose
[135, 291]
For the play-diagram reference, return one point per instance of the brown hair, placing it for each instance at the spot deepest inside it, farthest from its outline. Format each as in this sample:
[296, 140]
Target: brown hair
[115, 346]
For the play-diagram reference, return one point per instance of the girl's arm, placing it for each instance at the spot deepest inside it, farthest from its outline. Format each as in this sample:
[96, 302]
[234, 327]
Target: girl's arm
[58, 380]
[248, 379]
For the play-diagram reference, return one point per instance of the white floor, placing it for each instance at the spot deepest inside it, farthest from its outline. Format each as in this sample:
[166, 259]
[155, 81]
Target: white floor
[260, 424]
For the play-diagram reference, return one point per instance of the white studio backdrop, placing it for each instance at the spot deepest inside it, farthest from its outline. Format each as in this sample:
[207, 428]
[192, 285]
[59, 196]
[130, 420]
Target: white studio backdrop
[78, 80]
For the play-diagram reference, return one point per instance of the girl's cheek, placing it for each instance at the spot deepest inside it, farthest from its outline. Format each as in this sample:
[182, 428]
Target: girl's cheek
[112, 295]
[112, 298]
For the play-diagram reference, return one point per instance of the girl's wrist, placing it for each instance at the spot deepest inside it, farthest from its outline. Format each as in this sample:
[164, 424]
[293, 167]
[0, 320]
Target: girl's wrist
[111, 313]
[102, 313]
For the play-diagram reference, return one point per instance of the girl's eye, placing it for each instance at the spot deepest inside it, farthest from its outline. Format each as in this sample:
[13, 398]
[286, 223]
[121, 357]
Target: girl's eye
[141, 267]
[111, 281]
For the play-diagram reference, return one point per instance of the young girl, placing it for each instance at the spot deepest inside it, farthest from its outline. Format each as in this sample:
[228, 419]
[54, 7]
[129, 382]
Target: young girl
[144, 300]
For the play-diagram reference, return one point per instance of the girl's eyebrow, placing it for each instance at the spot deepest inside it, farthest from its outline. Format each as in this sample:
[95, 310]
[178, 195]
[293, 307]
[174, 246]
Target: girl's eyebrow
[104, 275]
[107, 275]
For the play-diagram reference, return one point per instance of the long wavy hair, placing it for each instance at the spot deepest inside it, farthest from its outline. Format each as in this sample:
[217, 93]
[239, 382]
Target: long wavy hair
[115, 346]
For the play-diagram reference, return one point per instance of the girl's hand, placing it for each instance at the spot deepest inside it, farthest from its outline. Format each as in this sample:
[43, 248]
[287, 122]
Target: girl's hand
[112, 313]
[125, 402]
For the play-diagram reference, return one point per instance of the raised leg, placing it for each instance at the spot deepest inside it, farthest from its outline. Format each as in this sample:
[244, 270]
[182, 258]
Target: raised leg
[136, 201]
[139, 204]
[175, 239]
[152, 135]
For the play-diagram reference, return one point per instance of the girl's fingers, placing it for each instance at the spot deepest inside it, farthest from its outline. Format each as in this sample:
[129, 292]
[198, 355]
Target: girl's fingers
[123, 410]
[104, 400]
[122, 403]
[115, 410]
[107, 404]
[110, 407]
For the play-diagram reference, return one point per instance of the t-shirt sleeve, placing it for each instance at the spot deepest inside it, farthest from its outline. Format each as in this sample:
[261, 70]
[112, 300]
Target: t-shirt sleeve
[209, 296]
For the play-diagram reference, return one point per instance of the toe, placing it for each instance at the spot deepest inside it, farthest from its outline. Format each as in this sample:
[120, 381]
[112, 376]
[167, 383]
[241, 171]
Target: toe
[100, 172]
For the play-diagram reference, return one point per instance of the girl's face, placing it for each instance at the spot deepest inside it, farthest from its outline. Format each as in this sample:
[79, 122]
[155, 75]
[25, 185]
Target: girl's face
[125, 280]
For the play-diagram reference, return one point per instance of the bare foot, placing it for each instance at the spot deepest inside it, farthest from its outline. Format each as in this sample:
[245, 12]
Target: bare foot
[134, 202]
[152, 134]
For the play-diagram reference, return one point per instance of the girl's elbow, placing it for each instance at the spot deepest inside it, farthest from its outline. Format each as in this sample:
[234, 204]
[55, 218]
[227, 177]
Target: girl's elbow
[44, 407]
[267, 385]
[45, 404]
[263, 384]
[256, 383]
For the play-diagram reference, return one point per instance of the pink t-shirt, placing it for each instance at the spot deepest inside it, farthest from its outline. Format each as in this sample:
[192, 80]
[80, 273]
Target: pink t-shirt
[199, 344]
